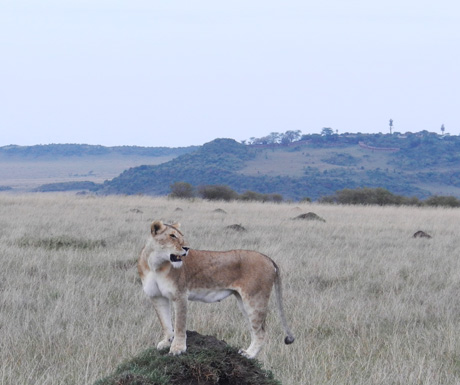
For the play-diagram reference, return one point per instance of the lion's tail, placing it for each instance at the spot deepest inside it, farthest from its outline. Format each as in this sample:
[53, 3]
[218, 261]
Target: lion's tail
[279, 300]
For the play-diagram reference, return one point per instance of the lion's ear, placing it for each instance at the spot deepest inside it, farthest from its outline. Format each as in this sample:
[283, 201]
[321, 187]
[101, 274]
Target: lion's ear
[157, 227]
[176, 225]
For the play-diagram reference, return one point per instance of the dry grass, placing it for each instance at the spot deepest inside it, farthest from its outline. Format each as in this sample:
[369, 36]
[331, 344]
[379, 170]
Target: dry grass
[278, 161]
[368, 303]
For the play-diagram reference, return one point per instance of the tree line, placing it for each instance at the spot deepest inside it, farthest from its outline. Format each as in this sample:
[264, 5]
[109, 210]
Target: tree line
[185, 190]
[359, 196]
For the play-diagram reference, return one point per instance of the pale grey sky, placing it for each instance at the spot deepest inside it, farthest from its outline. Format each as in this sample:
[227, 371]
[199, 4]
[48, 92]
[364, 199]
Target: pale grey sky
[178, 73]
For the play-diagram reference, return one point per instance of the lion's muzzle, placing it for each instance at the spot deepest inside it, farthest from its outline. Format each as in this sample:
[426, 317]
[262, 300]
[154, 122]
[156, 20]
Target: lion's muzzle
[177, 257]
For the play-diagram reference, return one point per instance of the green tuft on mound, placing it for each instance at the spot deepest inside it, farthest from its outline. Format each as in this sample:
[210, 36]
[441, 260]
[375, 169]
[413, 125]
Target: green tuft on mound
[207, 361]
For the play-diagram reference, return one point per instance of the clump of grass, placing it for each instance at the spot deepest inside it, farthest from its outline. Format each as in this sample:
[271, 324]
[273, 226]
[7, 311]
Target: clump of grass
[62, 242]
[207, 361]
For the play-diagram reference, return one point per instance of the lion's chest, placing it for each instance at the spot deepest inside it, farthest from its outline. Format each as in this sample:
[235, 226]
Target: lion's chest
[158, 286]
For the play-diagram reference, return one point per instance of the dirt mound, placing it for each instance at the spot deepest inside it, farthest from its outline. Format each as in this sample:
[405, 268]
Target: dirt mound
[207, 361]
[235, 227]
[310, 217]
[421, 234]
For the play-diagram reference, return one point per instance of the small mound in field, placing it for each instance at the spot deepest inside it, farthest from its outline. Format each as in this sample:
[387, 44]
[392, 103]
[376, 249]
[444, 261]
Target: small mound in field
[220, 211]
[207, 361]
[235, 228]
[310, 217]
[421, 234]
[178, 209]
[136, 211]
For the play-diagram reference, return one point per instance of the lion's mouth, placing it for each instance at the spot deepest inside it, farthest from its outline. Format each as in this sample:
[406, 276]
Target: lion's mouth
[175, 258]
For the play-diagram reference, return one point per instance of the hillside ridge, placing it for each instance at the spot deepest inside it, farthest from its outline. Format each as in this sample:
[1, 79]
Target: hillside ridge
[420, 164]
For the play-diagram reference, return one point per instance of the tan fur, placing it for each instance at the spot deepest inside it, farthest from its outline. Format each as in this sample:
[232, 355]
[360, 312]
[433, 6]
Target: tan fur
[207, 276]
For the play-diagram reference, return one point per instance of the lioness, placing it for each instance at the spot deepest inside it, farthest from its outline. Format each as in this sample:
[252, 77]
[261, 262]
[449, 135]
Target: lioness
[171, 272]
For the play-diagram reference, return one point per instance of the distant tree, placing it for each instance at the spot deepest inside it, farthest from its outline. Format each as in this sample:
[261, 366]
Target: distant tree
[274, 137]
[443, 129]
[182, 190]
[290, 136]
[391, 125]
[327, 131]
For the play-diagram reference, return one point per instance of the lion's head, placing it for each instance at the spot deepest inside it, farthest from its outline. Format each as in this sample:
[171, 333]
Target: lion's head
[170, 243]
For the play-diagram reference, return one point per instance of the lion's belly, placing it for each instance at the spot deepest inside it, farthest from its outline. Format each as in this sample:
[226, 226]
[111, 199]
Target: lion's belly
[209, 296]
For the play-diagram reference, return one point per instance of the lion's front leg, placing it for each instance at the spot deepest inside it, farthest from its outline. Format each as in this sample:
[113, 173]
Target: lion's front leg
[163, 310]
[180, 311]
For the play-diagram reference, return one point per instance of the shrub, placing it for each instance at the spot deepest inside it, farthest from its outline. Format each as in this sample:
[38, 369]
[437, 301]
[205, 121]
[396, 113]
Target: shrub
[217, 192]
[182, 190]
[365, 196]
[258, 197]
[446, 201]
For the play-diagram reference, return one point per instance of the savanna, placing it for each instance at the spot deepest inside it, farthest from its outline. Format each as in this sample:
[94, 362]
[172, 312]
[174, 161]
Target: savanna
[367, 302]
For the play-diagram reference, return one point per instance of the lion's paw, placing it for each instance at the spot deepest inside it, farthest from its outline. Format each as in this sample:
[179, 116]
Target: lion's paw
[244, 353]
[166, 343]
[177, 349]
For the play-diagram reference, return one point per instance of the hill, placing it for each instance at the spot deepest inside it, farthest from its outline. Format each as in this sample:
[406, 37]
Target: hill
[411, 164]
[55, 151]
[24, 168]
[420, 165]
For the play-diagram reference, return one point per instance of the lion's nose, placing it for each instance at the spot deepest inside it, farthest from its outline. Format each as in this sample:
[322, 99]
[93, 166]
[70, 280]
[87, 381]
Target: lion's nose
[186, 248]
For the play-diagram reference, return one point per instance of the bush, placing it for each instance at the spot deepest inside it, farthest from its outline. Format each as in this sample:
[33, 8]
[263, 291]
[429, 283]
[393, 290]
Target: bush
[445, 201]
[258, 197]
[182, 190]
[217, 192]
[252, 196]
[368, 196]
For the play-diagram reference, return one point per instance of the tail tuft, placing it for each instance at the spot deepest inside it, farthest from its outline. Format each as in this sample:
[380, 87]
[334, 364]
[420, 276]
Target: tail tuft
[289, 340]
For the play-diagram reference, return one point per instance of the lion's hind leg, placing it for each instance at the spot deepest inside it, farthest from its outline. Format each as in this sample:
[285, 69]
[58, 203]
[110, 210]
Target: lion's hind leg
[255, 311]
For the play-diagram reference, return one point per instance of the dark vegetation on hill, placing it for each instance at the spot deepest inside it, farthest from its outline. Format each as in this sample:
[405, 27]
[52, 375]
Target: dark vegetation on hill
[213, 163]
[67, 150]
[207, 361]
[409, 163]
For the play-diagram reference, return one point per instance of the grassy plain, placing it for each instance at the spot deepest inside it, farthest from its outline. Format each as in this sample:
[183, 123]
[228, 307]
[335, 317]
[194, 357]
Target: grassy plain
[368, 303]
[280, 161]
[24, 174]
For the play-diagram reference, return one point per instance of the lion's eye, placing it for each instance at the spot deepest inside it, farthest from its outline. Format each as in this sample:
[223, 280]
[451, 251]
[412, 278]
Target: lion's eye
[172, 236]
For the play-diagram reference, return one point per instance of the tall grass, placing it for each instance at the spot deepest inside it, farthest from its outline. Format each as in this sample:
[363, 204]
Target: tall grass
[368, 303]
